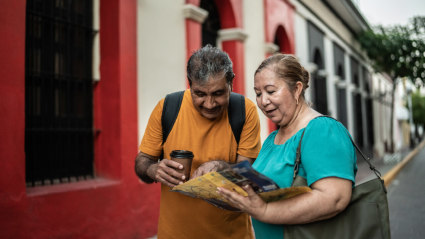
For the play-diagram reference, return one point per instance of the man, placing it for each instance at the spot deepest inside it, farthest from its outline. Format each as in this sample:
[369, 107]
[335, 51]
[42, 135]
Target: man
[202, 126]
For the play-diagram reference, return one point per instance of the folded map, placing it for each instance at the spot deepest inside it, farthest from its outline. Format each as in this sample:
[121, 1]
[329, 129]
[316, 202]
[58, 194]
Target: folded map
[233, 178]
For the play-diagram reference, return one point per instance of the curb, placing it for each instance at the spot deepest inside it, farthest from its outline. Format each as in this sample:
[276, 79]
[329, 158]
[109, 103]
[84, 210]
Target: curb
[390, 175]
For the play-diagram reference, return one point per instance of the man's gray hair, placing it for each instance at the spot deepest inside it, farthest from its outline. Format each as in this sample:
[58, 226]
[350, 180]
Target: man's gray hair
[209, 61]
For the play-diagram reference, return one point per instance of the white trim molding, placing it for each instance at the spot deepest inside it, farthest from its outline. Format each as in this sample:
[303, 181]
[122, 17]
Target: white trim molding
[232, 34]
[322, 73]
[311, 67]
[271, 48]
[194, 13]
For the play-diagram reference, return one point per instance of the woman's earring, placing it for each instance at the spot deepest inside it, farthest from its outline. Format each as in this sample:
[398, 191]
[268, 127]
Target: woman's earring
[297, 101]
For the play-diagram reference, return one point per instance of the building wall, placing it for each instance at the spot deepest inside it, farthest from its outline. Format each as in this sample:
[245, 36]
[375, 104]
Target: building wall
[329, 19]
[335, 32]
[161, 52]
[114, 204]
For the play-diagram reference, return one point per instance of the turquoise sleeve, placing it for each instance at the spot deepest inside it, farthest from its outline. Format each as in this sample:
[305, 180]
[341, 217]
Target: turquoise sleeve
[327, 151]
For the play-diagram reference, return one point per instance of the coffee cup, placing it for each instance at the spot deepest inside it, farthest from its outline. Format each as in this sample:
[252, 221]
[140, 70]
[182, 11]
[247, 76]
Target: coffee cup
[185, 158]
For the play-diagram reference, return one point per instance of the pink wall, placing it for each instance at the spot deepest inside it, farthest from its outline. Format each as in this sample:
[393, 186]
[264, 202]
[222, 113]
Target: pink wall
[116, 204]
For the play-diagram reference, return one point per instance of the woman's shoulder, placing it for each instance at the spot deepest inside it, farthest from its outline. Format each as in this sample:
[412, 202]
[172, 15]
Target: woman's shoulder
[324, 120]
[325, 125]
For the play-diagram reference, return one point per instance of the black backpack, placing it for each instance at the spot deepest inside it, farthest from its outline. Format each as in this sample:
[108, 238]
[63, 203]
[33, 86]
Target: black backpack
[174, 100]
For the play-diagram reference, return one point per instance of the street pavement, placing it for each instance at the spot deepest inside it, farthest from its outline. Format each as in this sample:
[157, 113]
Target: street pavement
[406, 200]
[406, 191]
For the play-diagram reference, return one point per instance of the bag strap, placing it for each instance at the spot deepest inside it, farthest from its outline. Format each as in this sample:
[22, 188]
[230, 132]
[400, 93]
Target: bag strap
[170, 111]
[298, 154]
[172, 104]
[236, 112]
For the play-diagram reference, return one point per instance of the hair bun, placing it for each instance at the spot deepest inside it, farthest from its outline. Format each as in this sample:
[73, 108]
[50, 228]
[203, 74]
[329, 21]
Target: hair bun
[306, 77]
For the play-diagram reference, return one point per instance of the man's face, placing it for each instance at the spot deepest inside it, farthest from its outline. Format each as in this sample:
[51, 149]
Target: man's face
[212, 97]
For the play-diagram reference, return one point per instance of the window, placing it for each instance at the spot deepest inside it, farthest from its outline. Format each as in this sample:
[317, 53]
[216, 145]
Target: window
[58, 91]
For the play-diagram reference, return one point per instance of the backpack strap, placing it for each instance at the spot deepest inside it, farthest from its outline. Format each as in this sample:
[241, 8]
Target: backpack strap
[171, 109]
[236, 112]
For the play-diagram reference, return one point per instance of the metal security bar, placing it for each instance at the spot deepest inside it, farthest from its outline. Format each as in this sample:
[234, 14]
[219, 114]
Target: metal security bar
[58, 91]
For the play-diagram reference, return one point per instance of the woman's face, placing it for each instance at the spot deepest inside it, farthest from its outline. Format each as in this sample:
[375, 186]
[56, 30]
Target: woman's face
[274, 97]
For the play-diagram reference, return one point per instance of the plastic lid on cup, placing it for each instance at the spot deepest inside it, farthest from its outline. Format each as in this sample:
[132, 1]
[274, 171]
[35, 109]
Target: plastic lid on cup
[181, 154]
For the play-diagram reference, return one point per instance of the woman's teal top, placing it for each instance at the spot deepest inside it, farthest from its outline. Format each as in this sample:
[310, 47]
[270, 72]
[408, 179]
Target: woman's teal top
[326, 151]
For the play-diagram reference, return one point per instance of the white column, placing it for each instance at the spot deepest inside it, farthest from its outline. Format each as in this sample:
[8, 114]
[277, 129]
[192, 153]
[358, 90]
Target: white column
[349, 91]
[253, 18]
[330, 80]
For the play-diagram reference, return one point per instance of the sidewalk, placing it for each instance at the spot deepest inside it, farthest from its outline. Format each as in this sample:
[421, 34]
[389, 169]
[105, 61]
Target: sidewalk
[385, 165]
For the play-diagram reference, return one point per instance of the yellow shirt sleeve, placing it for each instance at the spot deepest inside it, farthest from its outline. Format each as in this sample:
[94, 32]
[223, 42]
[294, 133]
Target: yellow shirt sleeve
[250, 141]
[152, 139]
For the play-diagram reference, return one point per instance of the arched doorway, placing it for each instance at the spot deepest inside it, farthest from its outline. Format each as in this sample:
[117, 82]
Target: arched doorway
[212, 23]
[282, 41]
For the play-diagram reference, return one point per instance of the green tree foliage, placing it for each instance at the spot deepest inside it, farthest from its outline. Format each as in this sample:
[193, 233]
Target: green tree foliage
[397, 50]
[418, 108]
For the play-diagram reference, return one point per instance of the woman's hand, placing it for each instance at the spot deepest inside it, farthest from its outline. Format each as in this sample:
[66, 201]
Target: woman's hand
[252, 204]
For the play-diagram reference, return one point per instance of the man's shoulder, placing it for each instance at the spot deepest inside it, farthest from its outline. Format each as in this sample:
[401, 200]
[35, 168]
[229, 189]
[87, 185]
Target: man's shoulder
[249, 103]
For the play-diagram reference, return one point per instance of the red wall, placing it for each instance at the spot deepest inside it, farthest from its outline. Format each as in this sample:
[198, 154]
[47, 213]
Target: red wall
[279, 20]
[280, 13]
[114, 205]
[231, 17]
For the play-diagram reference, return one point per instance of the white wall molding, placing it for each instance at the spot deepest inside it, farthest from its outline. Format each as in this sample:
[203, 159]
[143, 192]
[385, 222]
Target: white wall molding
[194, 13]
[232, 34]
[311, 67]
[271, 48]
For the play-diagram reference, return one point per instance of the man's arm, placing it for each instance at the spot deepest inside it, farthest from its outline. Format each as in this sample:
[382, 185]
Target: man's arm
[149, 170]
[144, 162]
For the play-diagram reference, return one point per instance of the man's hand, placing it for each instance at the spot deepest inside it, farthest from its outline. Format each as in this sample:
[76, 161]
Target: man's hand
[217, 165]
[165, 172]
[149, 170]
[211, 166]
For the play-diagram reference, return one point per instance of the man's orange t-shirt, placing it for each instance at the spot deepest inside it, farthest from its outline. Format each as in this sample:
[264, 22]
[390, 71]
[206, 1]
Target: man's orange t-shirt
[185, 217]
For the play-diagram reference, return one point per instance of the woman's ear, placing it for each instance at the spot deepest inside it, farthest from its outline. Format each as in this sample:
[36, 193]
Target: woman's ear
[298, 89]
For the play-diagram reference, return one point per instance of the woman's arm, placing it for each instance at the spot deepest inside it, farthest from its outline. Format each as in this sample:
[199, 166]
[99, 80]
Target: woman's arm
[328, 197]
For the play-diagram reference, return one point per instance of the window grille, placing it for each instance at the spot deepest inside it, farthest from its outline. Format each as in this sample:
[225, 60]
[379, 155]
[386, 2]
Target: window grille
[58, 91]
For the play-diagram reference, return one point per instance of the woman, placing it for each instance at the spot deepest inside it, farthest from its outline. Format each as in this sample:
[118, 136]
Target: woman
[328, 159]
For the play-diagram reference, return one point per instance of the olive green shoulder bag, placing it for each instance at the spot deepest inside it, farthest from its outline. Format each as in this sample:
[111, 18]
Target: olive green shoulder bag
[366, 216]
